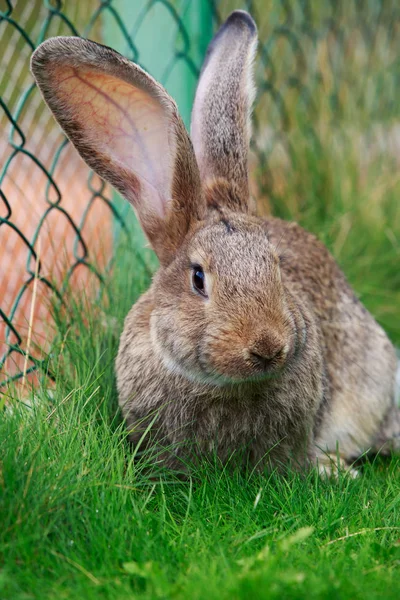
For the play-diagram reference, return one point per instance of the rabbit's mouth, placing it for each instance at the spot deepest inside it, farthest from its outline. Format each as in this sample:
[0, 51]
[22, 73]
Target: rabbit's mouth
[201, 371]
[207, 375]
[246, 367]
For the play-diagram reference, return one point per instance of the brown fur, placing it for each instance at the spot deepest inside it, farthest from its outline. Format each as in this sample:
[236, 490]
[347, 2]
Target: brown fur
[278, 358]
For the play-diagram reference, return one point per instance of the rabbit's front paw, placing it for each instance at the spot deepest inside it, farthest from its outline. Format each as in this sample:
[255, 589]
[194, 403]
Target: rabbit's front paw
[331, 465]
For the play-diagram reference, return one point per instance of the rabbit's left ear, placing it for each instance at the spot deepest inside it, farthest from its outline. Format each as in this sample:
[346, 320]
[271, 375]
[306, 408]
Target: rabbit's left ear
[127, 128]
[221, 126]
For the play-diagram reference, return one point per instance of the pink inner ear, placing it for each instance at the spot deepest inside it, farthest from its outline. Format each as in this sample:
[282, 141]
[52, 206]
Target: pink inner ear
[125, 125]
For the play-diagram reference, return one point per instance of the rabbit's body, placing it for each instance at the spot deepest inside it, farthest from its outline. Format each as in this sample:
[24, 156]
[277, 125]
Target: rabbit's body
[326, 399]
[250, 337]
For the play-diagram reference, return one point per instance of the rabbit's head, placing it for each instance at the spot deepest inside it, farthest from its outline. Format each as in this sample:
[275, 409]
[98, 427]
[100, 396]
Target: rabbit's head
[220, 311]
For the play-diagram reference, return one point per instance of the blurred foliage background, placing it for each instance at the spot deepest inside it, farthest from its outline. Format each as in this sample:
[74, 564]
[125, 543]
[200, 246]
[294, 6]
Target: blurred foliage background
[325, 149]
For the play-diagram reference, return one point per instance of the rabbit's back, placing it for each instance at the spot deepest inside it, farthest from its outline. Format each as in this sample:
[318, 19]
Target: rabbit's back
[360, 361]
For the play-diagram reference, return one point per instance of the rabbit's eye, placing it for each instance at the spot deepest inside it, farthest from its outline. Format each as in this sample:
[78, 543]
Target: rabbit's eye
[199, 280]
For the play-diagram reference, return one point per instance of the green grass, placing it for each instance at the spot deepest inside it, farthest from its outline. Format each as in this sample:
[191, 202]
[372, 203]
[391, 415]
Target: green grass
[80, 519]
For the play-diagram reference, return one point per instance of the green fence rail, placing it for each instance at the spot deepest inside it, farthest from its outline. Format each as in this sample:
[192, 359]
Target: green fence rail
[323, 68]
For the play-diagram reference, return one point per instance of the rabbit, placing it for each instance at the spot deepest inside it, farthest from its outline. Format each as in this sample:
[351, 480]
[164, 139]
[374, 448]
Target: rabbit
[249, 336]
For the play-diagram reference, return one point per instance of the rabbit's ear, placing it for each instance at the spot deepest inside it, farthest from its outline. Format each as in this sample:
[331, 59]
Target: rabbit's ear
[128, 130]
[221, 126]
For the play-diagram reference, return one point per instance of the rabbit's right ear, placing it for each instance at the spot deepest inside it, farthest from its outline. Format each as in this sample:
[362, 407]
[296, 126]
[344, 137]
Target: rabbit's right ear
[127, 128]
[221, 126]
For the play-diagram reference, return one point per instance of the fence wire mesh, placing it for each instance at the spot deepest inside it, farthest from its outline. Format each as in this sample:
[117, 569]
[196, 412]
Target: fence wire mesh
[323, 69]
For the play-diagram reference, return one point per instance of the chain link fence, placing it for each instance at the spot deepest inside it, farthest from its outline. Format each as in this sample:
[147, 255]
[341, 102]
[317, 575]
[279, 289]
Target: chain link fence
[328, 77]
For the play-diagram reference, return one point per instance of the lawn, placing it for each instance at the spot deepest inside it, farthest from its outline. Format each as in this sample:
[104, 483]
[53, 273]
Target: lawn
[81, 519]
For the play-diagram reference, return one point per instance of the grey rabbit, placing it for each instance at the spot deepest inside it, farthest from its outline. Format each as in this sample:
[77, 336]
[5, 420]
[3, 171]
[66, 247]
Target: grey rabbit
[249, 336]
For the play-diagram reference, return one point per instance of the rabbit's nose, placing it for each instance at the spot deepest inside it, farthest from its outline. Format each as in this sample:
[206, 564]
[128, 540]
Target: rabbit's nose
[268, 351]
